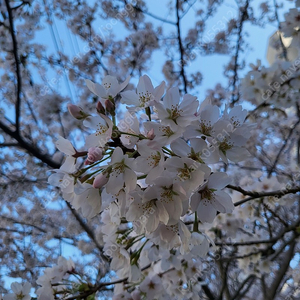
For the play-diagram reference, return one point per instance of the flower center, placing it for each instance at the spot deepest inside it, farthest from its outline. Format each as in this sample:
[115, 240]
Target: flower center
[166, 130]
[144, 98]
[205, 127]
[107, 85]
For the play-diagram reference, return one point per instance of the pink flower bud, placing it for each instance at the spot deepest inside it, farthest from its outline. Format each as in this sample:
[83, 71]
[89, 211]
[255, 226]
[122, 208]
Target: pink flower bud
[99, 181]
[94, 154]
[100, 108]
[150, 134]
[77, 112]
[110, 107]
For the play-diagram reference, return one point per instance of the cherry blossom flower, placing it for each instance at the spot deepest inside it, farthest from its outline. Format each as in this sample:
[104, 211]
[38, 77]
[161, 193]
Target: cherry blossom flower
[208, 115]
[65, 181]
[209, 198]
[108, 89]
[103, 126]
[170, 236]
[88, 200]
[20, 291]
[147, 211]
[151, 286]
[198, 244]
[150, 161]
[229, 142]
[163, 135]
[53, 276]
[131, 125]
[197, 149]
[99, 181]
[189, 173]
[120, 172]
[172, 195]
[63, 267]
[145, 96]
[66, 147]
[173, 112]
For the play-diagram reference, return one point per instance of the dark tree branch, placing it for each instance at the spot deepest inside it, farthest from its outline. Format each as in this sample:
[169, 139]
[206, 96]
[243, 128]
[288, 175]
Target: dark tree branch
[87, 229]
[243, 18]
[29, 147]
[9, 145]
[251, 281]
[181, 49]
[208, 292]
[256, 195]
[152, 15]
[282, 148]
[17, 60]
[237, 294]
[285, 262]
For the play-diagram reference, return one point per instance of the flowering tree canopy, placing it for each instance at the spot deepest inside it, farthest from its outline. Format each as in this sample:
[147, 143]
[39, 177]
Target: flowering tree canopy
[124, 175]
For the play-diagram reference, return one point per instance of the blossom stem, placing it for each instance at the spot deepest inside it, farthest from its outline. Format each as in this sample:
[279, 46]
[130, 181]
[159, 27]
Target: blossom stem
[132, 134]
[195, 226]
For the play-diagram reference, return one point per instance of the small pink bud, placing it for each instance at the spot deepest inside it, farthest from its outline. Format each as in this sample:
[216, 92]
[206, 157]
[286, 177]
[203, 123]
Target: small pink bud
[77, 112]
[150, 134]
[110, 107]
[99, 181]
[94, 154]
[100, 108]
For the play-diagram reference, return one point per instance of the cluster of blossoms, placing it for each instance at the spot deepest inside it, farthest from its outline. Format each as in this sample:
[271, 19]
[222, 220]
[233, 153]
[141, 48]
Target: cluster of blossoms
[150, 175]
[53, 281]
[278, 84]
[290, 26]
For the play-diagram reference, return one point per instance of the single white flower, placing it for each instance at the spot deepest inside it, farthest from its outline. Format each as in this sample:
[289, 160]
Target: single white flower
[63, 267]
[146, 211]
[171, 111]
[208, 115]
[152, 286]
[109, 88]
[197, 149]
[189, 173]
[209, 198]
[229, 142]
[163, 135]
[65, 181]
[150, 161]
[198, 244]
[171, 236]
[145, 95]
[120, 171]
[103, 126]
[20, 291]
[172, 196]
[120, 258]
[131, 125]
[88, 199]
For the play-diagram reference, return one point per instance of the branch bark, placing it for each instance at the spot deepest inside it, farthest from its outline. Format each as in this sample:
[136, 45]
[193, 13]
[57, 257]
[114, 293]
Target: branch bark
[17, 60]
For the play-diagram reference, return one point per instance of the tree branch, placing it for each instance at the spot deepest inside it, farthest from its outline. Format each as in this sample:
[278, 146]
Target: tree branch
[255, 195]
[244, 16]
[19, 80]
[29, 147]
[281, 272]
[181, 50]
